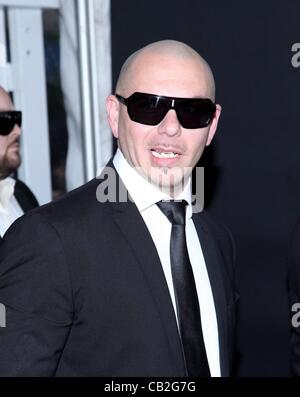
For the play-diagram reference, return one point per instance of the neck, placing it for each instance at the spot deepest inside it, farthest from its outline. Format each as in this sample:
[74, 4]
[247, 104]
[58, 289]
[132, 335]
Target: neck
[5, 172]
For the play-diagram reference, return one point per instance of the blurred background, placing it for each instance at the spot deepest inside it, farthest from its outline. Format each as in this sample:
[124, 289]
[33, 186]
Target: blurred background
[62, 59]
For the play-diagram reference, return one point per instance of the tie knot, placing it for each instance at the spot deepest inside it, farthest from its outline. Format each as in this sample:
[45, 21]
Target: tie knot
[174, 211]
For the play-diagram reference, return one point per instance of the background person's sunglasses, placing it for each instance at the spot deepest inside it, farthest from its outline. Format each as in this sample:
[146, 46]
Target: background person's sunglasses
[8, 120]
[151, 109]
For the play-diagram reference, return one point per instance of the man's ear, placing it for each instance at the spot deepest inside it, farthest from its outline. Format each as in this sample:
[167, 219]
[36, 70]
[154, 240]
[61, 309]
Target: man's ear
[112, 109]
[214, 125]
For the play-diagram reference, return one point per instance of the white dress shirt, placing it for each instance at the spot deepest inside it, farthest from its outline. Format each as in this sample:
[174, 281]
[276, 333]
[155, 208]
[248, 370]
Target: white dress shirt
[145, 196]
[10, 209]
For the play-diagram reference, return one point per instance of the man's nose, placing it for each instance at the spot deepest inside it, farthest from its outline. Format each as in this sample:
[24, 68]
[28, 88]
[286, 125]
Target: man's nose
[170, 124]
[16, 130]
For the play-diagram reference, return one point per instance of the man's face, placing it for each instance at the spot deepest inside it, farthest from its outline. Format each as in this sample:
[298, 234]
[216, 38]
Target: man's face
[9, 145]
[142, 145]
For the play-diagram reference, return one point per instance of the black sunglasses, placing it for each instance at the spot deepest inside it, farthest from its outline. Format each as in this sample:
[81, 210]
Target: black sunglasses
[8, 120]
[151, 109]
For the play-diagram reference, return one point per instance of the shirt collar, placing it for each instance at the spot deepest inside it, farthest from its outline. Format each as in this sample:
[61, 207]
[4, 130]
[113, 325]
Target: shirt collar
[142, 192]
[7, 188]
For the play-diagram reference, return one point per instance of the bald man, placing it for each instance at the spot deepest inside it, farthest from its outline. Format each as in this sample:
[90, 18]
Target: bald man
[124, 276]
[15, 196]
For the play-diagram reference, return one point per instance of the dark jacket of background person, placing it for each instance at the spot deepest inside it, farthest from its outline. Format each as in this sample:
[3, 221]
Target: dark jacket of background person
[25, 197]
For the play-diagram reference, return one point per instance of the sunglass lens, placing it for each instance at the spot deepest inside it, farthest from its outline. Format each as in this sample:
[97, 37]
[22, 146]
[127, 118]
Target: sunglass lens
[6, 126]
[146, 109]
[195, 113]
[8, 120]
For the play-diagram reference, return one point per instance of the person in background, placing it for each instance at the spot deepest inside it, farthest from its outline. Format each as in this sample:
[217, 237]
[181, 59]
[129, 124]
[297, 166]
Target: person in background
[104, 284]
[15, 197]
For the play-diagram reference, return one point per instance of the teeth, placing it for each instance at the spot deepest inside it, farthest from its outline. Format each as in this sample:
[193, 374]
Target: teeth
[164, 155]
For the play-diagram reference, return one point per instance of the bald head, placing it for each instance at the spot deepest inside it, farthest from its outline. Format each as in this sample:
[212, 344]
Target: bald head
[5, 101]
[158, 54]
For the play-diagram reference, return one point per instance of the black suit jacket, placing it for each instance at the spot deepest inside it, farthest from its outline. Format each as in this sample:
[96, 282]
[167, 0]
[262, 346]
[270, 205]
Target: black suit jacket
[85, 293]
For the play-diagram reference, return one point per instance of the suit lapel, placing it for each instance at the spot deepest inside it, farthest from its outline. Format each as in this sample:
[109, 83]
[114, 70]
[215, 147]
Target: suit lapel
[134, 230]
[213, 263]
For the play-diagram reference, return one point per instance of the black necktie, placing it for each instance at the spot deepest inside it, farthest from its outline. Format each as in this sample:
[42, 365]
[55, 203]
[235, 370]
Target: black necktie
[187, 304]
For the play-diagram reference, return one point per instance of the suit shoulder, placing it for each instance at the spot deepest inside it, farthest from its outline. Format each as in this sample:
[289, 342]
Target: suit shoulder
[76, 202]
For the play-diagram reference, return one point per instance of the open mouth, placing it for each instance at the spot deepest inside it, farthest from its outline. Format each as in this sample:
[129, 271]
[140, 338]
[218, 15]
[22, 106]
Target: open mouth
[164, 155]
